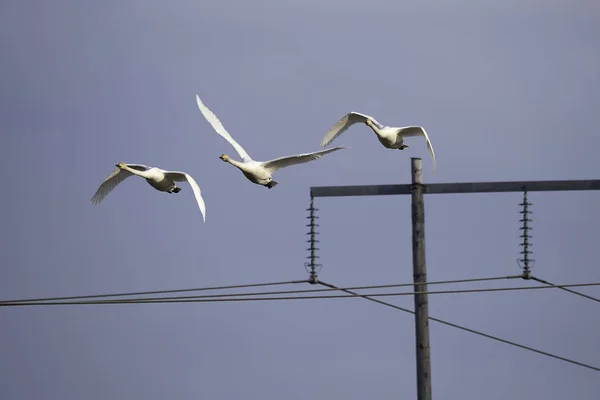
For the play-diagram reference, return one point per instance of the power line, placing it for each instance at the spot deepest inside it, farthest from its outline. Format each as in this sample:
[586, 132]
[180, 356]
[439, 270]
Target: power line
[453, 291]
[245, 286]
[468, 329]
[562, 287]
[46, 299]
[235, 297]
[153, 292]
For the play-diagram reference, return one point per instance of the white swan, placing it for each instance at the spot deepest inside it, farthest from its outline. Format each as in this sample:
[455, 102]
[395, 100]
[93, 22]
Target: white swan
[159, 179]
[390, 137]
[258, 172]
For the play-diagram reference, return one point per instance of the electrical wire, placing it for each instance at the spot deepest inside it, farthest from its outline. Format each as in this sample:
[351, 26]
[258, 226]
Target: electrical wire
[565, 289]
[154, 292]
[468, 329]
[221, 298]
[232, 297]
[46, 299]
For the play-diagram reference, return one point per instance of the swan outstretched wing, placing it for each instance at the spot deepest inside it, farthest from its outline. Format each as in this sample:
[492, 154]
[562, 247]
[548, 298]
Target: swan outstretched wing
[283, 162]
[408, 131]
[178, 176]
[220, 129]
[116, 177]
[344, 123]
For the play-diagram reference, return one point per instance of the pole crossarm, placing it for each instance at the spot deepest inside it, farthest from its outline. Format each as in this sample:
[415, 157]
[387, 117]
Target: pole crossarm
[450, 188]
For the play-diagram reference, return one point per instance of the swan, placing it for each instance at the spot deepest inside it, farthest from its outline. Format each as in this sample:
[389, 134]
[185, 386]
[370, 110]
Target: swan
[389, 136]
[258, 172]
[159, 179]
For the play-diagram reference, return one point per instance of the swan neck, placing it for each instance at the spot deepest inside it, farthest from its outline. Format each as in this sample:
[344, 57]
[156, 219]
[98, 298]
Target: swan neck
[234, 162]
[375, 129]
[135, 172]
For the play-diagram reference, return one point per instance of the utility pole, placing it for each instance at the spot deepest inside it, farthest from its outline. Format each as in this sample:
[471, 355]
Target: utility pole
[417, 190]
[420, 283]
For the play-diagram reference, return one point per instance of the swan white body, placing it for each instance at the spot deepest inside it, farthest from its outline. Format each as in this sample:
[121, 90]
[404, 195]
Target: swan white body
[159, 179]
[389, 136]
[258, 172]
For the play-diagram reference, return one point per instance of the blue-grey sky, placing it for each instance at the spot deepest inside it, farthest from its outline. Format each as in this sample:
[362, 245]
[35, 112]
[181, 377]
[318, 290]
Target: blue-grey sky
[507, 91]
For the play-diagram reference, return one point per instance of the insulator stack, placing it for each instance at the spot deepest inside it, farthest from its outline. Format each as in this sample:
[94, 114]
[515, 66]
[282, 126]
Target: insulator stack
[311, 266]
[526, 262]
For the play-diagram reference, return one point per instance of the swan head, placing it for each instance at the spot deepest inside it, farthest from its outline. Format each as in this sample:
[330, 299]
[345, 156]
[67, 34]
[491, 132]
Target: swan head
[120, 165]
[224, 157]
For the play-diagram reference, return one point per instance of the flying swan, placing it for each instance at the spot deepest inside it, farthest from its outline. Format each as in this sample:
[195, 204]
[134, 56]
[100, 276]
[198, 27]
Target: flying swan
[389, 136]
[159, 179]
[258, 172]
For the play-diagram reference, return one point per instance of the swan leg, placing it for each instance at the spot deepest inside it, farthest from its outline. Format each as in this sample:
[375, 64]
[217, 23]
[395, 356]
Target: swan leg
[175, 190]
[271, 184]
[402, 147]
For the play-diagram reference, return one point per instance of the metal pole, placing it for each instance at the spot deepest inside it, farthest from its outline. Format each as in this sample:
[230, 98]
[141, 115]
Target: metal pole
[419, 277]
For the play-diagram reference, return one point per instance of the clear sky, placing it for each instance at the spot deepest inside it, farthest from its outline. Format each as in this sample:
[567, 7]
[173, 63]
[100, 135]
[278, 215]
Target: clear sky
[506, 90]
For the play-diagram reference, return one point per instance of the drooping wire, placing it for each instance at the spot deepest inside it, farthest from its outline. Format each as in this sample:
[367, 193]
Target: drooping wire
[565, 289]
[468, 329]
